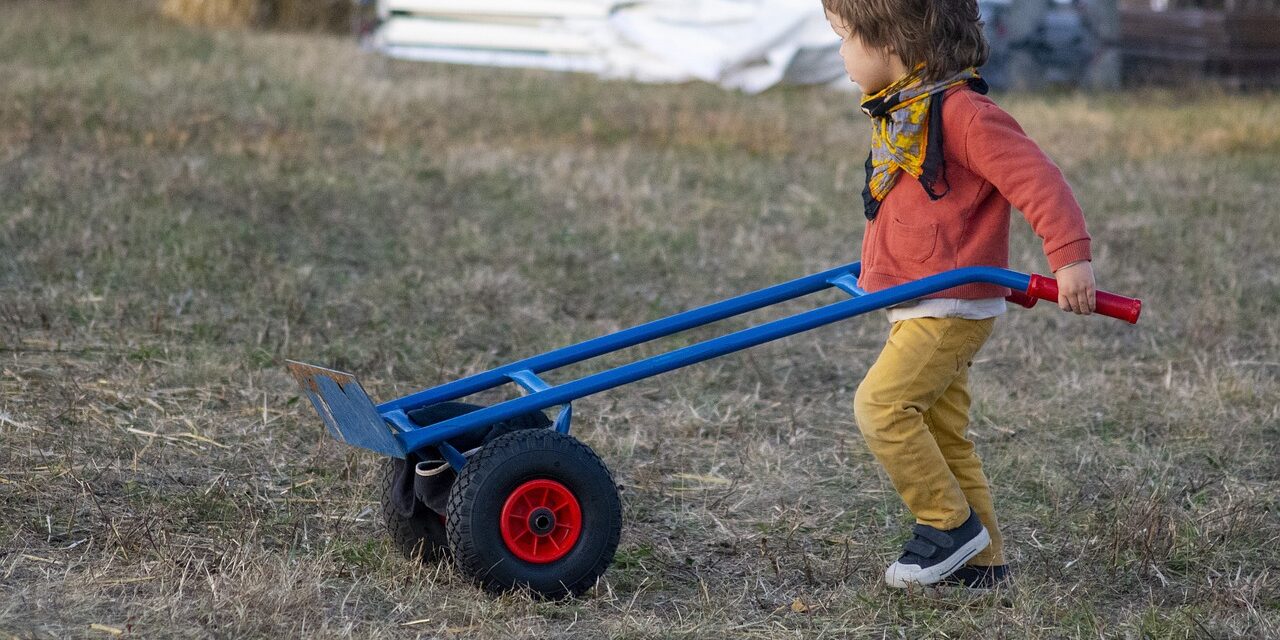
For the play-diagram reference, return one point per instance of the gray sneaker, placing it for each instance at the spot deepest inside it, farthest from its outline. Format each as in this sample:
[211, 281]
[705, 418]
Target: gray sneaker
[932, 554]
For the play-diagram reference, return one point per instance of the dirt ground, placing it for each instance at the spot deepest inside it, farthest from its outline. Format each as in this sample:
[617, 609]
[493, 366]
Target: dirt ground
[181, 210]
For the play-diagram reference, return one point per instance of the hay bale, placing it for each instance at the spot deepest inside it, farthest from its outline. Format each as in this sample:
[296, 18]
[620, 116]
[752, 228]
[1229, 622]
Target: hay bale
[310, 15]
[313, 15]
[216, 13]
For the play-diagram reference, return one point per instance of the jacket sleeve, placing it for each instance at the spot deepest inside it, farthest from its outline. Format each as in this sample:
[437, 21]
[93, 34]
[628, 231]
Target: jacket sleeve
[997, 149]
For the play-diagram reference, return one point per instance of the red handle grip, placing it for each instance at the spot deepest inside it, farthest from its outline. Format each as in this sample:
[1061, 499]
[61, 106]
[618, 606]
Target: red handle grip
[1108, 304]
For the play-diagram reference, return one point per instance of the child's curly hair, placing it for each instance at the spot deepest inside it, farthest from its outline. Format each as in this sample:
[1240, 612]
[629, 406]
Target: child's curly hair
[945, 35]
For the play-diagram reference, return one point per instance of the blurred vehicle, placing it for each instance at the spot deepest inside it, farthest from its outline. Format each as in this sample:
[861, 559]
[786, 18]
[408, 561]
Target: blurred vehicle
[1036, 43]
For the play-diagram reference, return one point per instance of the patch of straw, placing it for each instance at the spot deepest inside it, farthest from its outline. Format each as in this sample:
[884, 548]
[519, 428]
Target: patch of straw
[321, 15]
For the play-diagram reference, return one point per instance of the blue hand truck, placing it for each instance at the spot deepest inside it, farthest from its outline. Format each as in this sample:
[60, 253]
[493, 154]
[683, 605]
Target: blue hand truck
[512, 497]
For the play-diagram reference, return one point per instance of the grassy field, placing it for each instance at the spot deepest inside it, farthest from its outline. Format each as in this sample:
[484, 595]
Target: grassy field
[181, 210]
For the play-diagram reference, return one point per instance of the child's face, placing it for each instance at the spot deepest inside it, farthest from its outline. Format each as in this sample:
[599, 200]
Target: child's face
[872, 69]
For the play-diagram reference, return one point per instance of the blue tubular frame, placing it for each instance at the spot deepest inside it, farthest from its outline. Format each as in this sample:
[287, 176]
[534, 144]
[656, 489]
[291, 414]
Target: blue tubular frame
[542, 395]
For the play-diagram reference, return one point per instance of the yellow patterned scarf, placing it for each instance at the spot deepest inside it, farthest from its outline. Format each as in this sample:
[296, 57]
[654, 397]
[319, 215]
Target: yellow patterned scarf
[906, 133]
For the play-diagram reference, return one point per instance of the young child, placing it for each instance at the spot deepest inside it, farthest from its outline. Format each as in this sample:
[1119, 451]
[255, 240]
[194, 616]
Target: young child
[945, 164]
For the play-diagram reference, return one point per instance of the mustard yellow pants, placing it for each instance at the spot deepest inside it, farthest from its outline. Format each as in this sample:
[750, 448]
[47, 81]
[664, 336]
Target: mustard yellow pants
[913, 409]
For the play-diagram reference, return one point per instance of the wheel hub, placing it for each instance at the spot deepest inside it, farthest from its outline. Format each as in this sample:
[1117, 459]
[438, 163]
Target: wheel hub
[540, 521]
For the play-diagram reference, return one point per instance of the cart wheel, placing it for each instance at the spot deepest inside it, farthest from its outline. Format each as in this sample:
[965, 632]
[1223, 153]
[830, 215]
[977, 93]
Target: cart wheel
[417, 531]
[534, 508]
[414, 512]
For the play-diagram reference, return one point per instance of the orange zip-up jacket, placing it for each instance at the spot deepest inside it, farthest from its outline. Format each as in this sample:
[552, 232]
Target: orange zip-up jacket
[990, 163]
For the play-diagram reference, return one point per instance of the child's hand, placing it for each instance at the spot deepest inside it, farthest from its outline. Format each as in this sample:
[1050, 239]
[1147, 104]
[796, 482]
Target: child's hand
[1076, 288]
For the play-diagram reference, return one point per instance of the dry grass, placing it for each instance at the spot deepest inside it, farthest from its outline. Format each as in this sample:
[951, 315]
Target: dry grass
[181, 210]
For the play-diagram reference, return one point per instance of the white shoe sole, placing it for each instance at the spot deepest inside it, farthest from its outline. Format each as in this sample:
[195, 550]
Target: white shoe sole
[900, 576]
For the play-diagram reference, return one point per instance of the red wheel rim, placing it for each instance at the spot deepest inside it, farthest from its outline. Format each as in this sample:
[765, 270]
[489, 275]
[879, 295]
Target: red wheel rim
[540, 521]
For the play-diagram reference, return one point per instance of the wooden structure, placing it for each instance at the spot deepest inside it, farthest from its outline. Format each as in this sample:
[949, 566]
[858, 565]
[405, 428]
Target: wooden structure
[1236, 41]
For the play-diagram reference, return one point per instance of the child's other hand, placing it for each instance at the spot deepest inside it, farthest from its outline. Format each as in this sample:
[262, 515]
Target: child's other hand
[1076, 287]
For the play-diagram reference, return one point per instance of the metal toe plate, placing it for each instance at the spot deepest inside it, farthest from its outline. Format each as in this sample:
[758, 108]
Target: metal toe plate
[346, 409]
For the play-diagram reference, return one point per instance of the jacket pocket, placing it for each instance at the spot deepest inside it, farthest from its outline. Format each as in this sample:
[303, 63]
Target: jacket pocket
[911, 242]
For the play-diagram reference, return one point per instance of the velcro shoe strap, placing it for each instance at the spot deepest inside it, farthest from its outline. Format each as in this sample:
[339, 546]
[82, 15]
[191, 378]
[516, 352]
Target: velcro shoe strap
[920, 548]
[933, 535]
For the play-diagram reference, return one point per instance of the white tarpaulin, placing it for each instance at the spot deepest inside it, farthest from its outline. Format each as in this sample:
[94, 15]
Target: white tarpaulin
[743, 44]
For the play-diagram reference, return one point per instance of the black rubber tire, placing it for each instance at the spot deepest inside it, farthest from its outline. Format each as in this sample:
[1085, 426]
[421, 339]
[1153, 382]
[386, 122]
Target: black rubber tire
[417, 530]
[489, 477]
[420, 534]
